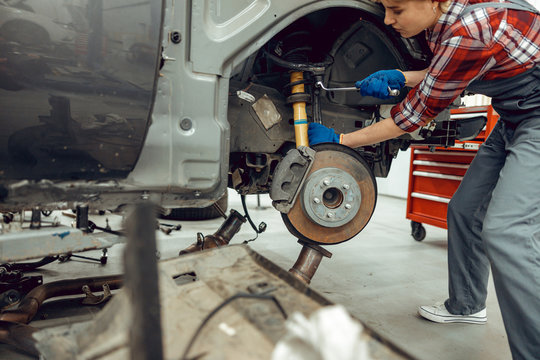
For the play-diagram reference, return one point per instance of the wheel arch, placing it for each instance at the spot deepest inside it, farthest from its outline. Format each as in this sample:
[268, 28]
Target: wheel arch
[413, 50]
[264, 28]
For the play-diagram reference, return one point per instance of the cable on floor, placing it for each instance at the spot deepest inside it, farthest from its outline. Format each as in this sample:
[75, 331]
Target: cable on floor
[262, 225]
[221, 306]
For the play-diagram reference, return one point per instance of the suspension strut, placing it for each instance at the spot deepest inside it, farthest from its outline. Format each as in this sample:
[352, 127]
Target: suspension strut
[299, 107]
[311, 254]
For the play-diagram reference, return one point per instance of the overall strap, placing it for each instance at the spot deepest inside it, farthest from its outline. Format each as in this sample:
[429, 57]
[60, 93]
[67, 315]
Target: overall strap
[510, 4]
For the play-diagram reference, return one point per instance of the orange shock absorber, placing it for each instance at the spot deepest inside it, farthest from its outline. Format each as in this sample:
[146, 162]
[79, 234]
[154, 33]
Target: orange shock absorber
[300, 116]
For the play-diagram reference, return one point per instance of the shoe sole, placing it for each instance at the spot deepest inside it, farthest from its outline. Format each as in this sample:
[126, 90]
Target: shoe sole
[452, 319]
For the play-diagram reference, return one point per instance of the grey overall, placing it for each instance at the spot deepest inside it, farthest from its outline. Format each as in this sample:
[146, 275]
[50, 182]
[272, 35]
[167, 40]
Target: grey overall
[494, 216]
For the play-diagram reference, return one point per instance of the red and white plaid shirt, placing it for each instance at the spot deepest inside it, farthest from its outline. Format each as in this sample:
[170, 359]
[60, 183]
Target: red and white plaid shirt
[486, 44]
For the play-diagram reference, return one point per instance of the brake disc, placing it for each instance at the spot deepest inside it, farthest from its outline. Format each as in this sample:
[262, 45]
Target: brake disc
[337, 198]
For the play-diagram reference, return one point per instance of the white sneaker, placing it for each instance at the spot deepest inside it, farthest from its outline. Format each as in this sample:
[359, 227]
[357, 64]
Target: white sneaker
[439, 314]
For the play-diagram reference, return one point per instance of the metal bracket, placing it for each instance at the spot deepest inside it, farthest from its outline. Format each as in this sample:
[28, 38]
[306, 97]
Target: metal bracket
[92, 299]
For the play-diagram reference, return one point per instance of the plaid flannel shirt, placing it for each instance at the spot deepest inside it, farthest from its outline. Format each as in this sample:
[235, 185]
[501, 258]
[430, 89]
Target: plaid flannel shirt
[486, 44]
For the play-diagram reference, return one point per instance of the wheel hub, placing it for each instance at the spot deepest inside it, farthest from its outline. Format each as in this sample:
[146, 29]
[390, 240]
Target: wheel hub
[331, 197]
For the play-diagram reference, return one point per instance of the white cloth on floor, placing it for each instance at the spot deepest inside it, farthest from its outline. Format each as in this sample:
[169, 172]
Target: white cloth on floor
[329, 334]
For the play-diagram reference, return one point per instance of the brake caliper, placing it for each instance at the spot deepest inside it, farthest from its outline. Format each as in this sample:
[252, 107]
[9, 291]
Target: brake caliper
[289, 177]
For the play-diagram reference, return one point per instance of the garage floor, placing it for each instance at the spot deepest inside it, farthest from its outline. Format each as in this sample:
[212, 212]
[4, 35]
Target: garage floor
[381, 277]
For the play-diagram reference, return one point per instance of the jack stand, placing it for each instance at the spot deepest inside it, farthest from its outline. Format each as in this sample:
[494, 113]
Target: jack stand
[308, 261]
[221, 237]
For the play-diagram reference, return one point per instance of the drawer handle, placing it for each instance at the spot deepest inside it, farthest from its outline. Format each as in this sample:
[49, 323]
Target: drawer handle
[430, 197]
[468, 115]
[437, 176]
[444, 153]
[443, 164]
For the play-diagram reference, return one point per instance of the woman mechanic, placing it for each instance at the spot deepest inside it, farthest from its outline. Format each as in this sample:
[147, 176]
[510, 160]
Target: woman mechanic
[494, 217]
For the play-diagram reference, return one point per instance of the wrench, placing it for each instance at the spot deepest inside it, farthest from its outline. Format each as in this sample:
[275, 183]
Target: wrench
[392, 92]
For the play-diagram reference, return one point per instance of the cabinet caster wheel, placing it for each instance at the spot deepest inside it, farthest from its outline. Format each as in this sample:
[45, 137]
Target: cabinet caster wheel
[418, 231]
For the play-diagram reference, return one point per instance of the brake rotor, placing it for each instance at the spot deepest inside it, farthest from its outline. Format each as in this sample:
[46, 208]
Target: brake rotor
[337, 199]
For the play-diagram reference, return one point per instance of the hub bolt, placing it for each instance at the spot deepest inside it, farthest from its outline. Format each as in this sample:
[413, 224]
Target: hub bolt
[316, 200]
[326, 182]
[330, 215]
[346, 186]
[348, 206]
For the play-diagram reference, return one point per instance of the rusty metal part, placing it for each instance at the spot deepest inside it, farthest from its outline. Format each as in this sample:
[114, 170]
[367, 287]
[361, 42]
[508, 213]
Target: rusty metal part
[92, 299]
[27, 266]
[348, 162]
[32, 301]
[70, 215]
[219, 210]
[19, 336]
[221, 237]
[308, 261]
[164, 229]
[13, 290]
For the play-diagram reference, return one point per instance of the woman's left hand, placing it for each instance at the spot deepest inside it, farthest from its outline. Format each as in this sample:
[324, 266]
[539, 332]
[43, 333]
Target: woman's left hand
[318, 133]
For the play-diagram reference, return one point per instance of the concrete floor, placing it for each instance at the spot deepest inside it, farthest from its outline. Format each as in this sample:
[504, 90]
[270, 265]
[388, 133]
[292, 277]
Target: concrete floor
[381, 276]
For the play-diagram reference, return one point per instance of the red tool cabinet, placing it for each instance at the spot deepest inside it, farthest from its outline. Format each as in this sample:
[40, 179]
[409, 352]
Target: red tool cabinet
[435, 173]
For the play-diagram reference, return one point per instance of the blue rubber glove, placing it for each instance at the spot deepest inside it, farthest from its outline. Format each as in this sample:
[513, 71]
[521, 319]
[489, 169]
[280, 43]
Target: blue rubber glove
[377, 84]
[318, 133]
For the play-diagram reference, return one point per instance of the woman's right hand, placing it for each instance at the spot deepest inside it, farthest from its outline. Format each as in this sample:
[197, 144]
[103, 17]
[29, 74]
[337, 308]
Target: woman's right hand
[378, 84]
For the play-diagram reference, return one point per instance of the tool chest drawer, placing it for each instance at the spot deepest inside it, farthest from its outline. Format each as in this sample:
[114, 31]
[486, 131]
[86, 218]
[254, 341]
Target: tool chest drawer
[436, 172]
[433, 179]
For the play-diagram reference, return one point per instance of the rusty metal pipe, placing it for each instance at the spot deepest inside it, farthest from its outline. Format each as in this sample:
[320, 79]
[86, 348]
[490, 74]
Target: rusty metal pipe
[221, 237]
[308, 261]
[230, 227]
[30, 304]
[29, 266]
[19, 336]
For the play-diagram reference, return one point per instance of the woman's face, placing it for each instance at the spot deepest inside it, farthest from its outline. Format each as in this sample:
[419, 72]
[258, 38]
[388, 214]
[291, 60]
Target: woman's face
[411, 17]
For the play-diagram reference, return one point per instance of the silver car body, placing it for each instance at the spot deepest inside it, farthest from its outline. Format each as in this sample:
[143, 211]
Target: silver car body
[134, 103]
